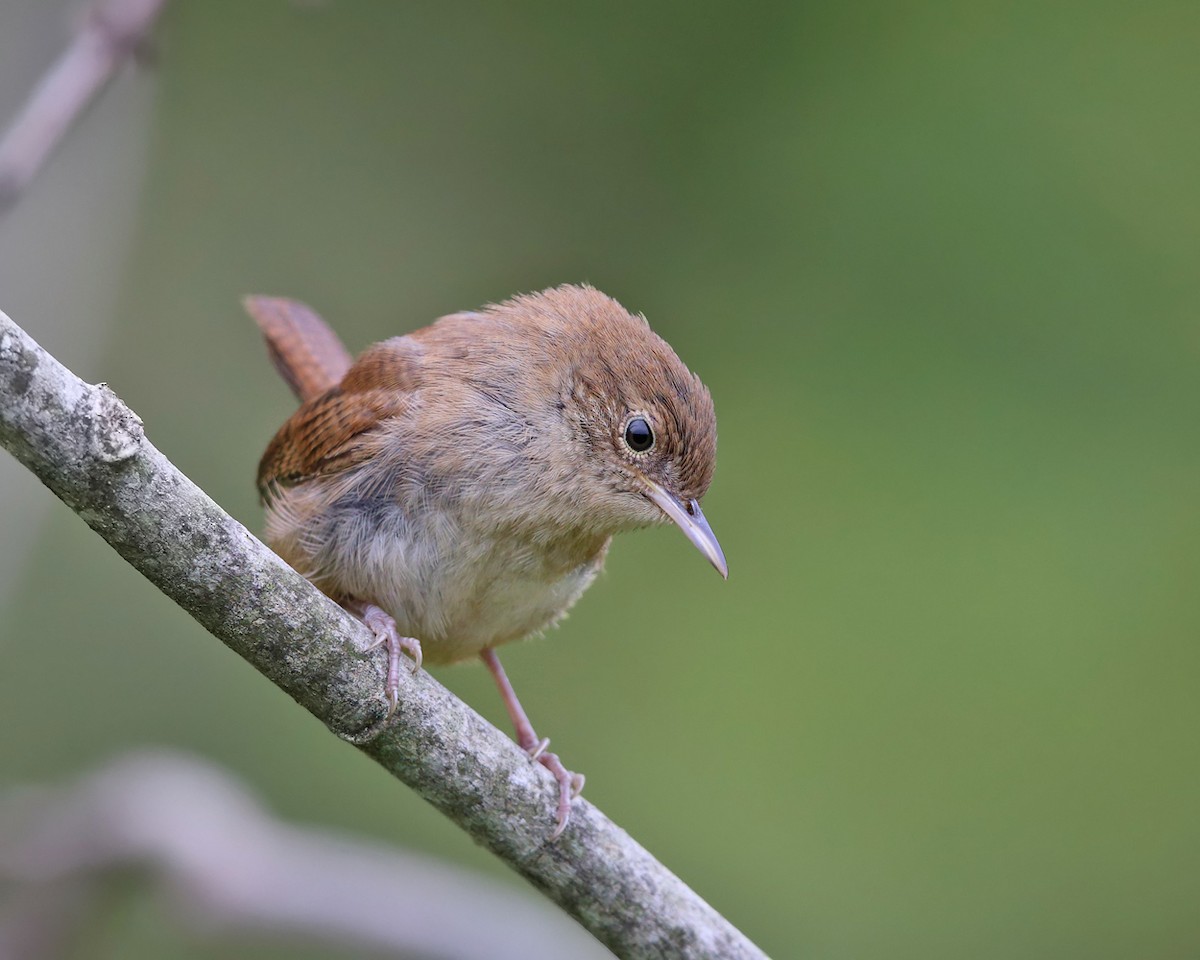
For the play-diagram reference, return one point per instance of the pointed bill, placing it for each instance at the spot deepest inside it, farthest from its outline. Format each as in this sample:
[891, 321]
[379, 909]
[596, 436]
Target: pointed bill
[691, 521]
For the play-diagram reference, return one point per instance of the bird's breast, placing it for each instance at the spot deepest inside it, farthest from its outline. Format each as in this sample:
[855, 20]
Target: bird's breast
[474, 590]
[457, 586]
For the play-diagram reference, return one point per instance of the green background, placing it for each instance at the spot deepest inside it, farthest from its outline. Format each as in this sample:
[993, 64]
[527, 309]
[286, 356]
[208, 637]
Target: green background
[937, 263]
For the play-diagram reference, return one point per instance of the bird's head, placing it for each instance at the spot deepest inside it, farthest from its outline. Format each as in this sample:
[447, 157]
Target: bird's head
[642, 420]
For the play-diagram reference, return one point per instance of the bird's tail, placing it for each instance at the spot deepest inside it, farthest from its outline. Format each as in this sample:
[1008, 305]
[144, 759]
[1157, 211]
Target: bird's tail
[303, 348]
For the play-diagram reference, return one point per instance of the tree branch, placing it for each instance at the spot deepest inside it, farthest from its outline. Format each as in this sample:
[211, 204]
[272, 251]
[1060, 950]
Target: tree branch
[193, 833]
[108, 35]
[90, 450]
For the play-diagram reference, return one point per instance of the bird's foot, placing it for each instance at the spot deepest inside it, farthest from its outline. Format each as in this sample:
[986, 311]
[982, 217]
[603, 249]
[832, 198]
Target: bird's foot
[388, 635]
[570, 784]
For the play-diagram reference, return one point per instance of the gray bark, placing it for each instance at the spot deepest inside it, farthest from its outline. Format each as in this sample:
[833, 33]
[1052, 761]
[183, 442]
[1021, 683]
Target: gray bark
[90, 450]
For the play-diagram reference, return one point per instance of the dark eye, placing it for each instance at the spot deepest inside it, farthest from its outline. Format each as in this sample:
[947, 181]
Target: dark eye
[638, 435]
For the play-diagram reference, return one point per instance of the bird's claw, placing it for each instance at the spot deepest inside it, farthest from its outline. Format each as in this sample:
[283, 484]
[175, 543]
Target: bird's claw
[569, 787]
[388, 635]
[570, 784]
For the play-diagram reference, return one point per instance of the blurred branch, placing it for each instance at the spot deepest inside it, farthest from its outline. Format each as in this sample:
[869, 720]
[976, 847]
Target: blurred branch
[109, 34]
[90, 450]
[194, 832]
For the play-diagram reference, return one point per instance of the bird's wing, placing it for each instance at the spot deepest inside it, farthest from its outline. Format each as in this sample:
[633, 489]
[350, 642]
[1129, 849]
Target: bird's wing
[335, 431]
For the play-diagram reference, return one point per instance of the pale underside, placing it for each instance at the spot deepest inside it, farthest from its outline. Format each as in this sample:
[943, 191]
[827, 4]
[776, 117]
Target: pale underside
[456, 590]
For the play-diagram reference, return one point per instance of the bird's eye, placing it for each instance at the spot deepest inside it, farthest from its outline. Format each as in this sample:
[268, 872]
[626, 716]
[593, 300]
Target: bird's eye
[638, 435]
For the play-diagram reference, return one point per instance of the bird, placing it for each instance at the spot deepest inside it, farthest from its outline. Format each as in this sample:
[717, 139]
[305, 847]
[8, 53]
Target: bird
[457, 487]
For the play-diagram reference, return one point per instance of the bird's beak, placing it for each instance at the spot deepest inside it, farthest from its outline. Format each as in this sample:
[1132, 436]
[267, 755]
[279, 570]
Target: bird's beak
[691, 521]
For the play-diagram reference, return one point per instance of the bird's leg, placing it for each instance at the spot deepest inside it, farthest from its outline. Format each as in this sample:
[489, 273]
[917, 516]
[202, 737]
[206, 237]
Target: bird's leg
[569, 784]
[388, 635]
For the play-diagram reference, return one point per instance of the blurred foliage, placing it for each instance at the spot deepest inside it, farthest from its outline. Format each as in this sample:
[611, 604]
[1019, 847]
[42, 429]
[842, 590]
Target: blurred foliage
[936, 262]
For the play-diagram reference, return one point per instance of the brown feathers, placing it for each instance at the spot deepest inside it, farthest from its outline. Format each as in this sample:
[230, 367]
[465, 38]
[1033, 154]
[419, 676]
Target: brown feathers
[325, 436]
[467, 477]
[308, 355]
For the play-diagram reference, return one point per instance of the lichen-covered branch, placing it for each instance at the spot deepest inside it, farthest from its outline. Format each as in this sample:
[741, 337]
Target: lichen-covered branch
[89, 448]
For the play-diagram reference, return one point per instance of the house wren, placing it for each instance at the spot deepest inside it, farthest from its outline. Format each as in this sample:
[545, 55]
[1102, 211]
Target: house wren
[458, 487]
